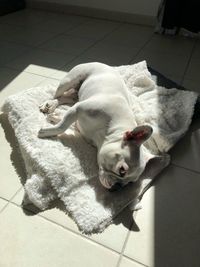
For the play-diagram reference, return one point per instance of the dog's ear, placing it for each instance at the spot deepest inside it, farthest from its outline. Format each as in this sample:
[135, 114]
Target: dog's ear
[138, 135]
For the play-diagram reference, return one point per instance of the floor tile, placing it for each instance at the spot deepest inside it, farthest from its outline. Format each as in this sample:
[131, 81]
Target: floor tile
[193, 69]
[14, 82]
[169, 232]
[11, 169]
[192, 85]
[140, 245]
[166, 64]
[60, 74]
[40, 62]
[95, 29]
[107, 238]
[7, 76]
[60, 23]
[24, 18]
[111, 54]
[25, 36]
[68, 44]
[186, 152]
[47, 81]
[42, 20]
[196, 52]
[125, 262]
[10, 51]
[173, 45]
[3, 203]
[33, 241]
[128, 35]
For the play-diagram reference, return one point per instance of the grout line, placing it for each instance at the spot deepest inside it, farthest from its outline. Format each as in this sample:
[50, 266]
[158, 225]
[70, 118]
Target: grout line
[75, 56]
[188, 169]
[36, 74]
[46, 41]
[4, 207]
[83, 236]
[77, 233]
[82, 53]
[66, 228]
[138, 262]
[123, 248]
[29, 72]
[17, 43]
[10, 200]
[189, 60]
[126, 240]
[37, 24]
[81, 37]
[55, 36]
[143, 46]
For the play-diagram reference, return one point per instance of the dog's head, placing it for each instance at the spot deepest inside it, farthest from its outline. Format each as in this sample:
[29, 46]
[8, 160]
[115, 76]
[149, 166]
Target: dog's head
[123, 161]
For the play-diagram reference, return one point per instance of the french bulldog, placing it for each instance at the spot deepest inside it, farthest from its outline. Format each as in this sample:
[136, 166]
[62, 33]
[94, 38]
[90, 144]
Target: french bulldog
[104, 117]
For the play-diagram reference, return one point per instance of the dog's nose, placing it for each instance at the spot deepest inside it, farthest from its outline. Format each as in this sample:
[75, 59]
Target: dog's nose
[116, 187]
[122, 171]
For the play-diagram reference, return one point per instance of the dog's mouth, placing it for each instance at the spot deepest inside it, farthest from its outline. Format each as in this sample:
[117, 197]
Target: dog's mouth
[106, 182]
[110, 183]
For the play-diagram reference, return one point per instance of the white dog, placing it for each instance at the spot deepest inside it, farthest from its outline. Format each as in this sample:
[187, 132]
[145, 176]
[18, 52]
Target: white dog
[103, 116]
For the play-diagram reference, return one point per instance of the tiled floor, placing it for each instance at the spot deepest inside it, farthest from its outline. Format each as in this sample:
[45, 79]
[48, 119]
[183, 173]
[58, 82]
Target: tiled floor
[39, 47]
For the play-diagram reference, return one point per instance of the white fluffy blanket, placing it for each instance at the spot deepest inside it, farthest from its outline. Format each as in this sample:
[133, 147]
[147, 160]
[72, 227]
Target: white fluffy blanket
[66, 167]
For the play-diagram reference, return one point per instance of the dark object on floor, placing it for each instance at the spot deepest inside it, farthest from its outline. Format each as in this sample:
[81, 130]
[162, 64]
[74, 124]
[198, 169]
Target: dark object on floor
[174, 15]
[164, 81]
[8, 6]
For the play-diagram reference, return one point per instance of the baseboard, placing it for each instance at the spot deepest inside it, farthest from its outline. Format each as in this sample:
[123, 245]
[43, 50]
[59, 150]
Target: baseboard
[92, 12]
[11, 6]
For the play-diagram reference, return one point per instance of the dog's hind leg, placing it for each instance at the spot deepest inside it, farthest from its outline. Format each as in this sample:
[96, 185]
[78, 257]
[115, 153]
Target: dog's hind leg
[67, 91]
[73, 79]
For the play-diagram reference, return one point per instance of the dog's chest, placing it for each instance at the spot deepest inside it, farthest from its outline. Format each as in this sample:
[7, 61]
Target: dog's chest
[92, 124]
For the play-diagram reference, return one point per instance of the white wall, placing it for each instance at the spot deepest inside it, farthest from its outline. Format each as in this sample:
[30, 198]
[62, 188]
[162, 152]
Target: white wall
[140, 7]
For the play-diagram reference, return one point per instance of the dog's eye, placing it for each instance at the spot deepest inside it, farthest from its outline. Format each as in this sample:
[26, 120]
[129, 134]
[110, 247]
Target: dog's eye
[122, 171]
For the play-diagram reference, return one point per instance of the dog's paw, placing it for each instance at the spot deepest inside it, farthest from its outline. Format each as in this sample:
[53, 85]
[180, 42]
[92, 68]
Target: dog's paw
[42, 133]
[48, 132]
[54, 117]
[49, 106]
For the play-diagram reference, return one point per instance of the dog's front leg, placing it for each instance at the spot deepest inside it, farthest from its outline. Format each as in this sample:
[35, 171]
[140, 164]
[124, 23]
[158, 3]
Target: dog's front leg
[69, 117]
